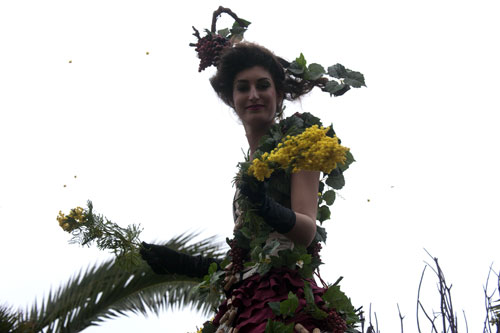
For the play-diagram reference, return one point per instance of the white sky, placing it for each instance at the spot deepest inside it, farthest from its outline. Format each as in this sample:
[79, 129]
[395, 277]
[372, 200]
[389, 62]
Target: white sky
[150, 143]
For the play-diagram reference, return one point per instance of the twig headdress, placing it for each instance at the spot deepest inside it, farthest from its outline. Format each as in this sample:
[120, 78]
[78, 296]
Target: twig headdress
[335, 80]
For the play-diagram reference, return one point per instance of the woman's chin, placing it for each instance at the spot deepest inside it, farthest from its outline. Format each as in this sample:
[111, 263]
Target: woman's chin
[258, 121]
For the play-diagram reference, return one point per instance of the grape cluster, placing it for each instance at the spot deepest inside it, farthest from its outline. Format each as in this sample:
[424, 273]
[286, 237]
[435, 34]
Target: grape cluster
[335, 323]
[209, 49]
[238, 256]
[314, 249]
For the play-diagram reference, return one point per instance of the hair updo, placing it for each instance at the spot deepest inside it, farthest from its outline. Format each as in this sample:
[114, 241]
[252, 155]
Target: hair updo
[246, 55]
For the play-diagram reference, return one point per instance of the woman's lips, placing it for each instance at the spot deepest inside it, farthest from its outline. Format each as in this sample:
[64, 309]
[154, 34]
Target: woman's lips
[255, 107]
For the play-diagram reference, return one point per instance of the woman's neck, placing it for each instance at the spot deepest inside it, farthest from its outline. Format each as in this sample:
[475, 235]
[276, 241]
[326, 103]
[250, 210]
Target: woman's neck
[254, 135]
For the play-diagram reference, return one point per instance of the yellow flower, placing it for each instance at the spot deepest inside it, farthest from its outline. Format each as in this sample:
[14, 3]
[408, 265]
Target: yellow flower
[67, 222]
[311, 150]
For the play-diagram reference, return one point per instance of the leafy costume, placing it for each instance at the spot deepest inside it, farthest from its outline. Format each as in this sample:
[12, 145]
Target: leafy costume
[267, 280]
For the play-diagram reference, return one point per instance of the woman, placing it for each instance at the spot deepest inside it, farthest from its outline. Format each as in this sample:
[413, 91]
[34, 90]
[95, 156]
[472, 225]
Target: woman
[252, 81]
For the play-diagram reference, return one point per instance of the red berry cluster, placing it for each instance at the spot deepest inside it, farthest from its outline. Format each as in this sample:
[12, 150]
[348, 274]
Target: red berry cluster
[238, 256]
[314, 249]
[335, 323]
[209, 49]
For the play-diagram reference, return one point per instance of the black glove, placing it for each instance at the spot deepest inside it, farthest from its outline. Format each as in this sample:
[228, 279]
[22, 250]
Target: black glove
[164, 260]
[281, 218]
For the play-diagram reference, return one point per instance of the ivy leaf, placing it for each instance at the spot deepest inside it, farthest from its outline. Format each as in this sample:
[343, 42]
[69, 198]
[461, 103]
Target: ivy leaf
[314, 72]
[275, 306]
[320, 234]
[212, 269]
[246, 232]
[337, 71]
[278, 327]
[264, 268]
[341, 89]
[329, 196]
[335, 88]
[237, 30]
[292, 303]
[306, 272]
[319, 314]
[321, 187]
[306, 258]
[349, 160]
[270, 247]
[323, 213]
[336, 299]
[224, 32]
[336, 179]
[301, 61]
[295, 68]
[354, 79]
[245, 23]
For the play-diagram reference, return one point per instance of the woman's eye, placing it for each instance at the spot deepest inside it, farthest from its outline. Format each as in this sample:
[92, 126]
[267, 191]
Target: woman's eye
[242, 88]
[263, 85]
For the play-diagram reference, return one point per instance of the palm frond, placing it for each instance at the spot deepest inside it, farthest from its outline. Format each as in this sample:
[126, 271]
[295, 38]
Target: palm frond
[106, 291]
[8, 319]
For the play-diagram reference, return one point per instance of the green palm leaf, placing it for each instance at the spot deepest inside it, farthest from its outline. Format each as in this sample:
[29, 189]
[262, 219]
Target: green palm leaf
[106, 291]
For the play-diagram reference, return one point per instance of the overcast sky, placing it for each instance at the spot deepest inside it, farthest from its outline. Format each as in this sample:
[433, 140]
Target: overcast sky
[102, 100]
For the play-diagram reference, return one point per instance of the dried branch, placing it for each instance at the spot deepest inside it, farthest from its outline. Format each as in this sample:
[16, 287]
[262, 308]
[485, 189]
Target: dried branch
[228, 11]
[400, 318]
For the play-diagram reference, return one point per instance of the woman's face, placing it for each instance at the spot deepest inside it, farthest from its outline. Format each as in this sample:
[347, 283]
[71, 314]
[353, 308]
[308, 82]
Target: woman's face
[255, 98]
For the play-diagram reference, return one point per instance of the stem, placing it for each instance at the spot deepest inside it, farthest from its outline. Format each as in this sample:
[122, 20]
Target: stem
[228, 11]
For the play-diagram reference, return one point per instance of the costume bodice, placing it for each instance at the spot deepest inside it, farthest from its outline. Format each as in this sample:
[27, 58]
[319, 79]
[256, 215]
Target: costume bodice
[283, 197]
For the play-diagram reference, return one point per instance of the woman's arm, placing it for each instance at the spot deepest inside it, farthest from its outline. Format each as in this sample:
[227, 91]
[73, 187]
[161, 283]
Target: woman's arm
[304, 202]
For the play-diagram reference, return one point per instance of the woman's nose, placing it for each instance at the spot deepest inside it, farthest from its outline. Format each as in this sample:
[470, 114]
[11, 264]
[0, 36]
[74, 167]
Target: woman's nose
[254, 94]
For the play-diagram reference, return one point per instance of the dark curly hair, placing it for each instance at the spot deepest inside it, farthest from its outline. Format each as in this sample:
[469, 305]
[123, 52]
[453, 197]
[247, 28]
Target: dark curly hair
[246, 55]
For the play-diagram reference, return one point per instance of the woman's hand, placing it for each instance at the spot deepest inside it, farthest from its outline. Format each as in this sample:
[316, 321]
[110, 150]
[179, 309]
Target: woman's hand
[281, 218]
[164, 260]
[297, 223]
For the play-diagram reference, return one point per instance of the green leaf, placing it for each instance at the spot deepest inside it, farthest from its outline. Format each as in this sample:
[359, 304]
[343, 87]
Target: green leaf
[335, 88]
[311, 306]
[256, 253]
[278, 327]
[212, 269]
[320, 234]
[336, 179]
[263, 268]
[342, 89]
[246, 232]
[270, 247]
[295, 68]
[321, 186]
[301, 61]
[319, 314]
[306, 271]
[336, 299]
[329, 196]
[308, 294]
[224, 32]
[337, 71]
[306, 258]
[349, 160]
[244, 22]
[287, 307]
[314, 72]
[354, 79]
[323, 213]
[275, 306]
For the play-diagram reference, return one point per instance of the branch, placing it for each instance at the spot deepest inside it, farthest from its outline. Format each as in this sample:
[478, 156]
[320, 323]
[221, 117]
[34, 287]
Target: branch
[400, 319]
[228, 11]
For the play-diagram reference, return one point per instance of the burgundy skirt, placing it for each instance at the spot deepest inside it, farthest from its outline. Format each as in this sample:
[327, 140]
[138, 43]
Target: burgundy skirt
[251, 297]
